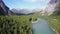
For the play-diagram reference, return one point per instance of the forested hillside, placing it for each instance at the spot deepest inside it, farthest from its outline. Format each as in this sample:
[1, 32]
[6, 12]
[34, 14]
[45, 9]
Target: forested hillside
[15, 25]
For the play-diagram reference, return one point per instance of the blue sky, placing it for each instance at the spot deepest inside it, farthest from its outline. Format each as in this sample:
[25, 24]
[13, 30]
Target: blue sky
[26, 4]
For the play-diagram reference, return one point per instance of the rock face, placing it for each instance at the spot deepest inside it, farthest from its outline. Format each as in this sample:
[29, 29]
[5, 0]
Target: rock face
[54, 1]
[50, 8]
[4, 10]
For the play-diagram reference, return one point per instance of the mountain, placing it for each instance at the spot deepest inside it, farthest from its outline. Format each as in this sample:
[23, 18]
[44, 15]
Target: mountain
[50, 8]
[21, 11]
[24, 11]
[4, 10]
[36, 10]
[53, 1]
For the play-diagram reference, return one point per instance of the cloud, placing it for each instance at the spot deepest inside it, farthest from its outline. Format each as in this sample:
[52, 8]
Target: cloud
[30, 0]
[37, 0]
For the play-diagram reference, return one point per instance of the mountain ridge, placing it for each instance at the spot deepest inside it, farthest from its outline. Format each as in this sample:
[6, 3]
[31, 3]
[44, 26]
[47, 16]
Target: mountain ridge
[50, 8]
[4, 10]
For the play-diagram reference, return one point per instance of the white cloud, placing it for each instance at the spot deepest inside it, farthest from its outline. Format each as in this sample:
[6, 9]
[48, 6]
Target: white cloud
[36, 0]
[31, 0]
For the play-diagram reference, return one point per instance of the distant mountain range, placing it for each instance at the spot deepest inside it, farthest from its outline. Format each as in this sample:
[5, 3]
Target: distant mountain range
[21, 11]
[24, 11]
[4, 10]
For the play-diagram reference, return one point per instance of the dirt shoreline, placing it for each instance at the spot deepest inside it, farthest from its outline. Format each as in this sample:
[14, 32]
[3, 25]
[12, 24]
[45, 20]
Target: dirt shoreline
[54, 30]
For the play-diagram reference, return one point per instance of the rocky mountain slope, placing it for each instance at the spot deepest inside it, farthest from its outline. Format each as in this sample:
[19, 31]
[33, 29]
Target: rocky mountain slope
[4, 10]
[50, 8]
[53, 1]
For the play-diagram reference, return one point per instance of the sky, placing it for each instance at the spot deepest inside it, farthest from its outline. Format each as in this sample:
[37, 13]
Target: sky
[26, 4]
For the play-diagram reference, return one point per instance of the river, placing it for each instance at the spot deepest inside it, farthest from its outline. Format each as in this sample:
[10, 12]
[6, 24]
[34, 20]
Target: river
[41, 27]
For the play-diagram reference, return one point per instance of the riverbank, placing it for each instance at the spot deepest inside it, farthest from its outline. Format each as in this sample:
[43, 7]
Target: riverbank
[50, 27]
[54, 30]
[41, 27]
[34, 21]
[54, 22]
